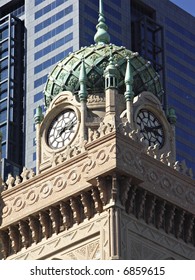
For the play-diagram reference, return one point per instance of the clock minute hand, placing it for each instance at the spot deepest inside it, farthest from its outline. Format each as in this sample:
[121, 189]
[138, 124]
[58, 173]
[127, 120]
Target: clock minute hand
[64, 128]
[151, 129]
[68, 126]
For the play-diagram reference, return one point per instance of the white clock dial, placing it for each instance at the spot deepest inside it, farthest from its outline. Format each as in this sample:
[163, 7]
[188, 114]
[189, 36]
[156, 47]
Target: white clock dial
[62, 129]
[150, 128]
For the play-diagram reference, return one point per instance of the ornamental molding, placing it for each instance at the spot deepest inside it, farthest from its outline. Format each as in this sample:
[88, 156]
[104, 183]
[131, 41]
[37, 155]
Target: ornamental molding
[65, 244]
[110, 153]
[160, 241]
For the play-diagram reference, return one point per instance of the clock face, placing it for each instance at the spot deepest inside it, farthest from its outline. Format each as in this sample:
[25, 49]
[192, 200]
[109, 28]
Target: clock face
[62, 129]
[150, 128]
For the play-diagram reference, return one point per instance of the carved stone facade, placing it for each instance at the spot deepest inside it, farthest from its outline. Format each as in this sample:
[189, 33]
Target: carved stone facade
[114, 199]
[107, 185]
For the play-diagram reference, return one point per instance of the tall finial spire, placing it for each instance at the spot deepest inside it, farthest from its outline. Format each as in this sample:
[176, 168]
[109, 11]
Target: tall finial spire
[101, 36]
[129, 91]
[82, 81]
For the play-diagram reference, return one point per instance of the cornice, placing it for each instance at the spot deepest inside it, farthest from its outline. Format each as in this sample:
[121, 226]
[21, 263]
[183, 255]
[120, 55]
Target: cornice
[110, 153]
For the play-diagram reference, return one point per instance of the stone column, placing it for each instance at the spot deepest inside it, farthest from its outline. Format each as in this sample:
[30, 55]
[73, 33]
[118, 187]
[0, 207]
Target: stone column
[83, 99]
[38, 119]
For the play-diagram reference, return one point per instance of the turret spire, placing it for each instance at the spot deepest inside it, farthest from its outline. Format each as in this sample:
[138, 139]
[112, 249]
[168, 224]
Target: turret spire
[129, 90]
[128, 82]
[83, 81]
[83, 99]
[111, 73]
[101, 36]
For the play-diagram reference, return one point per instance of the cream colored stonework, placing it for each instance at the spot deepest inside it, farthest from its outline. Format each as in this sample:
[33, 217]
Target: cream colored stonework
[106, 197]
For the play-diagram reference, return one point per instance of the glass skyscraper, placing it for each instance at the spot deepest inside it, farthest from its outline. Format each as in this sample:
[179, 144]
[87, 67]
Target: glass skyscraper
[12, 89]
[40, 33]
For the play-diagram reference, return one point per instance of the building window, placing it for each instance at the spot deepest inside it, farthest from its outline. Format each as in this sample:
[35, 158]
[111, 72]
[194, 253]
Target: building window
[53, 46]
[53, 32]
[40, 81]
[3, 104]
[49, 8]
[52, 60]
[38, 96]
[3, 129]
[19, 11]
[34, 156]
[3, 116]
[180, 29]
[3, 150]
[4, 74]
[53, 19]
[37, 2]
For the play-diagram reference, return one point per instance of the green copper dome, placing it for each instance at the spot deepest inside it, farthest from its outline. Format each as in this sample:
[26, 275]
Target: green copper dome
[65, 75]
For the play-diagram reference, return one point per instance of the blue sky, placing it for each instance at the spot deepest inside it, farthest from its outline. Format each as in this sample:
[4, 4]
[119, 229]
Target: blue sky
[187, 5]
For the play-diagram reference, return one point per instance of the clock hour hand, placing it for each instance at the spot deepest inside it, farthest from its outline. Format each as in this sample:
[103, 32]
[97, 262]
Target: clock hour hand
[151, 129]
[68, 126]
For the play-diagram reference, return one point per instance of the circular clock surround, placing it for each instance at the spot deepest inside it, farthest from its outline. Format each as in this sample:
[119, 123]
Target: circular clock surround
[151, 128]
[62, 129]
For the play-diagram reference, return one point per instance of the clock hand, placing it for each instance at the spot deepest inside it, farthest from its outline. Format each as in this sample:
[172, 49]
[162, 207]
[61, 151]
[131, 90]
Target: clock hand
[151, 129]
[68, 126]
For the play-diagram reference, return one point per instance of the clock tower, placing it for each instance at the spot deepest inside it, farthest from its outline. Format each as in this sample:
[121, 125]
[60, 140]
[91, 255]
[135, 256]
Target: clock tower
[107, 183]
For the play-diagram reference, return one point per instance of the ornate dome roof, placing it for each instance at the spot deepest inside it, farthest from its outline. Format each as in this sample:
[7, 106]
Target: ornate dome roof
[65, 75]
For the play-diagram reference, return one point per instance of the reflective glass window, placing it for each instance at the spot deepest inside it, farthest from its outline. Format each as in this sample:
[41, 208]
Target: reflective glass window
[53, 19]
[111, 24]
[112, 12]
[40, 81]
[3, 116]
[4, 32]
[3, 46]
[53, 32]
[3, 94]
[37, 2]
[89, 11]
[3, 105]
[183, 95]
[180, 67]
[180, 29]
[4, 54]
[180, 79]
[4, 63]
[54, 46]
[3, 150]
[49, 7]
[188, 150]
[19, 11]
[52, 60]
[3, 74]
[3, 129]
[34, 156]
[181, 54]
[174, 38]
[38, 96]
[117, 2]
[3, 86]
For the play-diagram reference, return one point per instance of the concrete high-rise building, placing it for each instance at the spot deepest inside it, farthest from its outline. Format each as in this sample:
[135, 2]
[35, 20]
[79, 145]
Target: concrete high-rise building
[46, 31]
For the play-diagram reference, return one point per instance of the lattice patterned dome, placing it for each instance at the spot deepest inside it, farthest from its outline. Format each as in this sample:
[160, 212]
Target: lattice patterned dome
[65, 75]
